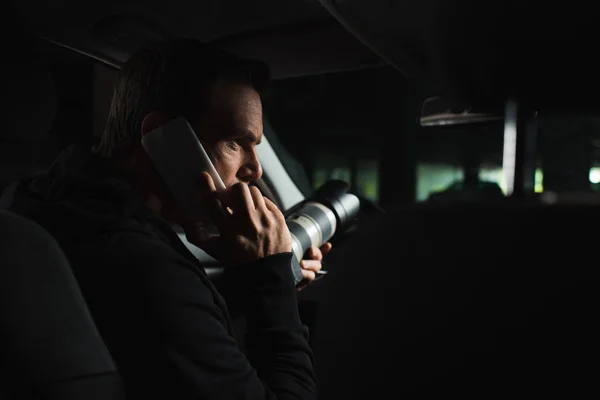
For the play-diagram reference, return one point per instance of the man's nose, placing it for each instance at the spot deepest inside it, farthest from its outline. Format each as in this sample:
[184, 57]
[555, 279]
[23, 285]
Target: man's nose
[251, 170]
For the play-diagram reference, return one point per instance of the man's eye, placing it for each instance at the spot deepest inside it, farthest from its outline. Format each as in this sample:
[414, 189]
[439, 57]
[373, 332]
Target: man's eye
[234, 144]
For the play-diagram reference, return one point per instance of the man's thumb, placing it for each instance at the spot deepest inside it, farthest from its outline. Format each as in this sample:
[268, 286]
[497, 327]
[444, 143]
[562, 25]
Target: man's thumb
[210, 244]
[195, 234]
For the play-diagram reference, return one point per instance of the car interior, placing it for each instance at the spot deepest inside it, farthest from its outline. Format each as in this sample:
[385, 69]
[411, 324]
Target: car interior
[469, 132]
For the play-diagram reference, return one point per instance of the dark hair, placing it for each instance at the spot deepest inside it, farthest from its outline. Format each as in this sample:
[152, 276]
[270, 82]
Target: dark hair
[174, 77]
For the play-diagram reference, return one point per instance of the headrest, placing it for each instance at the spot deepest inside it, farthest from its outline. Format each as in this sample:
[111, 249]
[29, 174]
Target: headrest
[28, 94]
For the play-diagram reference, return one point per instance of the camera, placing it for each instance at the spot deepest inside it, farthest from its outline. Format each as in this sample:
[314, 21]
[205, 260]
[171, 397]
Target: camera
[330, 210]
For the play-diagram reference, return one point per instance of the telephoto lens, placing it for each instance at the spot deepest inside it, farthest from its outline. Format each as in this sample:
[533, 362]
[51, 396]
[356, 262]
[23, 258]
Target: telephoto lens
[330, 210]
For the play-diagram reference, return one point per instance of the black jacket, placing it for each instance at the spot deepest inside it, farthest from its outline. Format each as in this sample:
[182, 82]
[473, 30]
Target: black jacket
[164, 322]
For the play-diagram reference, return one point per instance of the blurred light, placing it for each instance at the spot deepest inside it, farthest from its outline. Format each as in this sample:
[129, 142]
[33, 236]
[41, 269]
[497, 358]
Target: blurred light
[595, 175]
[539, 181]
[509, 150]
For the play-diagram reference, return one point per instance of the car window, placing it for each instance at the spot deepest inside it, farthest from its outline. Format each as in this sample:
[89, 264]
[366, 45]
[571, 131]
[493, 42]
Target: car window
[564, 156]
[326, 125]
[328, 122]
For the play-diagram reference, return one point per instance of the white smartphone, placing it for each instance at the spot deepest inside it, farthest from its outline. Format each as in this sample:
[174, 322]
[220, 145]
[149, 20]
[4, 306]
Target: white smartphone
[180, 158]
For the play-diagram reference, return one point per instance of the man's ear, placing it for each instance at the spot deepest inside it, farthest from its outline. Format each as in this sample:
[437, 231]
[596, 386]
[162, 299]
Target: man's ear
[152, 121]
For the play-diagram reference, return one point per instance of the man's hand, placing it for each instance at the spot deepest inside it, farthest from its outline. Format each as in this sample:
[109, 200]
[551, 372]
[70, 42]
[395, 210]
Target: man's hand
[251, 227]
[313, 264]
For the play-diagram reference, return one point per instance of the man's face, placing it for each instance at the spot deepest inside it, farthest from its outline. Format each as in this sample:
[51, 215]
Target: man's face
[231, 130]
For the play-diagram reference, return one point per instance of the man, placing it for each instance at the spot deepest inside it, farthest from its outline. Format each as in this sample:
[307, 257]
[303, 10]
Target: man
[166, 325]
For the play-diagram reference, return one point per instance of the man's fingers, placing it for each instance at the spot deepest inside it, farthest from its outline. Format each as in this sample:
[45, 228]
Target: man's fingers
[314, 253]
[311, 265]
[240, 200]
[308, 275]
[326, 248]
[206, 183]
[274, 209]
[258, 198]
[211, 201]
[210, 244]
[270, 205]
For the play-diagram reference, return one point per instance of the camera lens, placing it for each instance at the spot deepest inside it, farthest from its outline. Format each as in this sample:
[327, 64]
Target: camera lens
[328, 211]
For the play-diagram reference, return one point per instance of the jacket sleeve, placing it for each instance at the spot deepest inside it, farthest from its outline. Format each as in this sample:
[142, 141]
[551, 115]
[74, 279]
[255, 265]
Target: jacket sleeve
[172, 338]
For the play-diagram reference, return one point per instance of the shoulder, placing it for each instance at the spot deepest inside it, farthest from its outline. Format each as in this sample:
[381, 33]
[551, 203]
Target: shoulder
[140, 275]
[135, 253]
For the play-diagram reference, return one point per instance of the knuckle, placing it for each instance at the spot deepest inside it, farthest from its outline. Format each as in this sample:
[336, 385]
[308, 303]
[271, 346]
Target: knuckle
[255, 231]
[309, 275]
[266, 221]
[237, 187]
[278, 216]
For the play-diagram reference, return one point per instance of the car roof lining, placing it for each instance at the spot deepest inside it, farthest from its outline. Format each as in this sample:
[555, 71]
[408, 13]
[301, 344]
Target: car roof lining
[295, 37]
